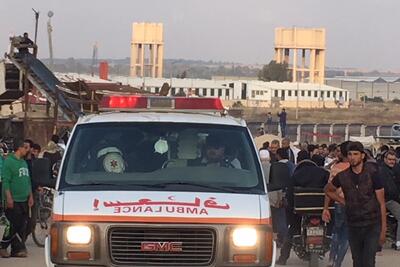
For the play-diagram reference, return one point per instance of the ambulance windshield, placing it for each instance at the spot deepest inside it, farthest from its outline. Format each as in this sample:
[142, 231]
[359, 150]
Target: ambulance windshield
[178, 156]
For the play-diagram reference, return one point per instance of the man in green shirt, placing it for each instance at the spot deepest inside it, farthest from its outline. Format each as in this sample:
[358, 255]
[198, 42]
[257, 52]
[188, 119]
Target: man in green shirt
[17, 196]
[1, 168]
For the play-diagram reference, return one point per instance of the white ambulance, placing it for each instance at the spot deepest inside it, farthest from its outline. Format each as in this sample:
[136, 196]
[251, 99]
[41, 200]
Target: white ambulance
[159, 181]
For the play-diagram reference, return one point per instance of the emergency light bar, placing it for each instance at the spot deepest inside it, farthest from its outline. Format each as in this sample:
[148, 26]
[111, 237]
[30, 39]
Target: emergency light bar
[121, 102]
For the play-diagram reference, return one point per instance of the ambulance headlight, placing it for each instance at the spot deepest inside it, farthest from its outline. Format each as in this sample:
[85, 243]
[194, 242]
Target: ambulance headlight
[80, 234]
[244, 237]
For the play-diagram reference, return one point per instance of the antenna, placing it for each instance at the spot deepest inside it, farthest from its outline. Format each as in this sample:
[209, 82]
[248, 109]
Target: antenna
[50, 14]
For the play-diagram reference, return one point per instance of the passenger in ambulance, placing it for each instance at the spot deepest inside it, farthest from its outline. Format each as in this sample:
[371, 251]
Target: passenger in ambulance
[214, 154]
[106, 156]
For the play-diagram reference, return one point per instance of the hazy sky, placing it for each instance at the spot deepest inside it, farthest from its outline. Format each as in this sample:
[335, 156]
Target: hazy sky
[360, 33]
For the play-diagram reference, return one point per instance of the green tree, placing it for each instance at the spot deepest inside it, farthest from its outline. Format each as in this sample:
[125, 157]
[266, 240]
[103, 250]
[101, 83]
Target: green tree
[274, 72]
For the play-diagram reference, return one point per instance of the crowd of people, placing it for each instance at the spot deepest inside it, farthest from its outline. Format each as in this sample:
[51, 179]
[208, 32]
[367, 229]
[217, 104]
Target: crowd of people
[19, 191]
[360, 186]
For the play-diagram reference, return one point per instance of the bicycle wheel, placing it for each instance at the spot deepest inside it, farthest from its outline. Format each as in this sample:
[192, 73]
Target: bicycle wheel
[42, 226]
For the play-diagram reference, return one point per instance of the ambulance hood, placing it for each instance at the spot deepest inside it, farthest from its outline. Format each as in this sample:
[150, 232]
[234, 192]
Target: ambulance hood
[161, 207]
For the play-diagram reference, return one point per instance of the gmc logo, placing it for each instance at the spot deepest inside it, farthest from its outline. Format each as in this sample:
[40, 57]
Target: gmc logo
[162, 246]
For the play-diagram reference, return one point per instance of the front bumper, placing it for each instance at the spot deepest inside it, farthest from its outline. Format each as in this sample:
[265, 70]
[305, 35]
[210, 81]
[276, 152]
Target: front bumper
[103, 258]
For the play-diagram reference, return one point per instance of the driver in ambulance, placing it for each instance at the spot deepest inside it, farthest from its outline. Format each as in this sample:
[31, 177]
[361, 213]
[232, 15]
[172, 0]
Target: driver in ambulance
[214, 154]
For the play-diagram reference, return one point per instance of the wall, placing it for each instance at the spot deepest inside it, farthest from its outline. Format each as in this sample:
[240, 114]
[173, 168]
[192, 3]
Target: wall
[6, 109]
[40, 131]
[277, 103]
[387, 91]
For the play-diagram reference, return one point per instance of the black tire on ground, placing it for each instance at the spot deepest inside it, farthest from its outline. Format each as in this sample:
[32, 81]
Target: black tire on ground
[39, 240]
[314, 260]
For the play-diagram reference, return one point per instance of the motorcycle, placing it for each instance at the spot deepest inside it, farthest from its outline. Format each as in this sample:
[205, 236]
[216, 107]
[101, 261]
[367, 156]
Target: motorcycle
[313, 241]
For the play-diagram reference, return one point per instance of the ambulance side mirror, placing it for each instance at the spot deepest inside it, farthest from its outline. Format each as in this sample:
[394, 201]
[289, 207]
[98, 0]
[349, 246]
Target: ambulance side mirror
[55, 169]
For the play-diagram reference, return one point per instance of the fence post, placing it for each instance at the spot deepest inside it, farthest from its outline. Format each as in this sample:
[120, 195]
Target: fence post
[362, 130]
[298, 137]
[315, 131]
[279, 130]
[346, 132]
[331, 133]
[378, 133]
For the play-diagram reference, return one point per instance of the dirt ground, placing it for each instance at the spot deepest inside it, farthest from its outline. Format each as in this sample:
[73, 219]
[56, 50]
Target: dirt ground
[370, 114]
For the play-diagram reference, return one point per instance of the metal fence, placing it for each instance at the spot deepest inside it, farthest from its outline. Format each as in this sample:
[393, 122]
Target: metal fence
[325, 133]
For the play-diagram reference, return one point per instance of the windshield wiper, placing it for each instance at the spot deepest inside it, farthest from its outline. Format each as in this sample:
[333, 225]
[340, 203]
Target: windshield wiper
[161, 186]
[217, 188]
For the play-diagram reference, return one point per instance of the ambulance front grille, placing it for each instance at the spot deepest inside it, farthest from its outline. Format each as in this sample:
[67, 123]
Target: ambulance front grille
[198, 246]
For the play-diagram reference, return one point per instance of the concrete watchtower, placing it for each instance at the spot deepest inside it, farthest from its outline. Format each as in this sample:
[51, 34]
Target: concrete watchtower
[289, 42]
[147, 50]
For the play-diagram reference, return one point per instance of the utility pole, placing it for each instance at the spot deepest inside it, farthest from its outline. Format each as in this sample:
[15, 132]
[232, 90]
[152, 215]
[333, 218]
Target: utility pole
[36, 23]
[297, 102]
[26, 101]
[94, 57]
[388, 91]
[49, 31]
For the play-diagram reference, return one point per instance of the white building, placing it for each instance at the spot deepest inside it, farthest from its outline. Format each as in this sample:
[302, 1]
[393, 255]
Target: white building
[287, 94]
[249, 92]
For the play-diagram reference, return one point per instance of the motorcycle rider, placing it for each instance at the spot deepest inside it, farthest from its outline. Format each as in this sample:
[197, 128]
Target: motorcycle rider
[391, 177]
[301, 178]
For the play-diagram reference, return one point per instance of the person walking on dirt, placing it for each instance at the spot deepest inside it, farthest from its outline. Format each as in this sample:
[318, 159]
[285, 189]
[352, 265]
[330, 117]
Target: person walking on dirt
[364, 202]
[268, 123]
[340, 243]
[390, 177]
[18, 200]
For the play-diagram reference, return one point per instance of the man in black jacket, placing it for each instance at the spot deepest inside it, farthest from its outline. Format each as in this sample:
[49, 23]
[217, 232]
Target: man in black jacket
[364, 202]
[391, 178]
[280, 177]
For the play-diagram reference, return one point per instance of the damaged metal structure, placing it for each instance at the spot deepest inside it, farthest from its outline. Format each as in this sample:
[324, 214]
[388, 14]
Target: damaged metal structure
[48, 105]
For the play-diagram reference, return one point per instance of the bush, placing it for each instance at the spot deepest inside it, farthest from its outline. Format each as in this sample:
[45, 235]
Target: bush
[237, 104]
[376, 99]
